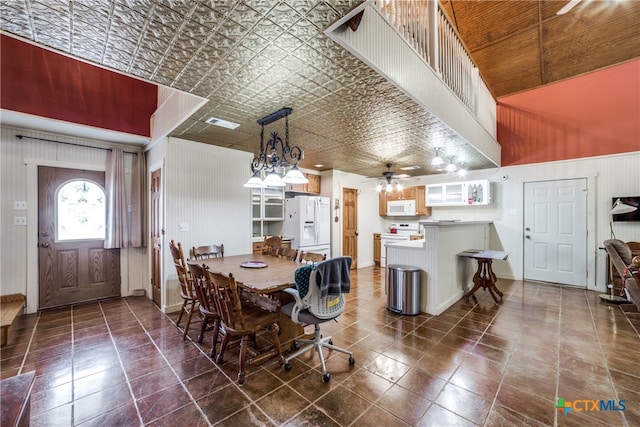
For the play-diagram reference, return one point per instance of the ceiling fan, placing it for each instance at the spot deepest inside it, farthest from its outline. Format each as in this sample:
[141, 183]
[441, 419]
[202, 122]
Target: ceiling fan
[391, 179]
[567, 7]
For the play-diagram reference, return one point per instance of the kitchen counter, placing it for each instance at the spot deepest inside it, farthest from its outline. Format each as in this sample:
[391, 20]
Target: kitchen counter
[408, 243]
[261, 239]
[451, 223]
[446, 276]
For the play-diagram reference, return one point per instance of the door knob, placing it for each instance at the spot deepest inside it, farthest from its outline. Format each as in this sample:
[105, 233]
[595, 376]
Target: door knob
[527, 229]
[44, 245]
[527, 236]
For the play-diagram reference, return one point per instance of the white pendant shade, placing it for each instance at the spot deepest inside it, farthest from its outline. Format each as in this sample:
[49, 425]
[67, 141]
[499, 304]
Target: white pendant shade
[254, 182]
[437, 161]
[273, 180]
[294, 176]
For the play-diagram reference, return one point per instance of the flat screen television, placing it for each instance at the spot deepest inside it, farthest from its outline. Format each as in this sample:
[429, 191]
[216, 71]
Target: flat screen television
[629, 216]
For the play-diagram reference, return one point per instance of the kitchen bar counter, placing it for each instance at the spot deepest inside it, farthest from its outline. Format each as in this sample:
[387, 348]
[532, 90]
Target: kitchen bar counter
[446, 277]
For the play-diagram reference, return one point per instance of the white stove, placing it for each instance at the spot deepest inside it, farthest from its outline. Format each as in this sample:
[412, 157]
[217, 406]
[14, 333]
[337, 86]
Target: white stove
[404, 231]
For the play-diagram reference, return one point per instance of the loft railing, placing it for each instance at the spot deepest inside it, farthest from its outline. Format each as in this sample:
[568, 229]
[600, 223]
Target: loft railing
[428, 31]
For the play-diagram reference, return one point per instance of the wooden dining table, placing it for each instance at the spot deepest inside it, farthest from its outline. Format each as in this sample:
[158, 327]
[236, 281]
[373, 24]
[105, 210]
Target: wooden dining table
[278, 274]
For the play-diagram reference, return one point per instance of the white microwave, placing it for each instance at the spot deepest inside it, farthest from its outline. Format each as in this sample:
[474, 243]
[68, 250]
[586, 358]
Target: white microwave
[401, 208]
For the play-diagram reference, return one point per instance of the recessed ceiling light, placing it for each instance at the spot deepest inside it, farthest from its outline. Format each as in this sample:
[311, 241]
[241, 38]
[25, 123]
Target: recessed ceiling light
[222, 123]
[409, 168]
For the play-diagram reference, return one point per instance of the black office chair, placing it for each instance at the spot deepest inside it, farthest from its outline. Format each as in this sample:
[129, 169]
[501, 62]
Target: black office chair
[319, 298]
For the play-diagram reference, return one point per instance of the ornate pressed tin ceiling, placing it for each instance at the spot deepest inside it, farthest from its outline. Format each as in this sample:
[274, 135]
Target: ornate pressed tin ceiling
[250, 58]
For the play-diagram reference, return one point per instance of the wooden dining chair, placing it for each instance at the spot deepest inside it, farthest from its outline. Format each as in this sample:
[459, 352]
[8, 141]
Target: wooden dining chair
[206, 252]
[187, 291]
[271, 245]
[307, 257]
[288, 253]
[206, 304]
[244, 321]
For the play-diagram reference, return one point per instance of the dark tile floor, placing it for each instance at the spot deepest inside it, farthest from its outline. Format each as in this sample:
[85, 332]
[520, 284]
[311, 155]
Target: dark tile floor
[122, 362]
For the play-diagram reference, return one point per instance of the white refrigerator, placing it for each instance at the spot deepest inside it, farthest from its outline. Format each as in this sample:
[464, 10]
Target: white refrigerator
[307, 221]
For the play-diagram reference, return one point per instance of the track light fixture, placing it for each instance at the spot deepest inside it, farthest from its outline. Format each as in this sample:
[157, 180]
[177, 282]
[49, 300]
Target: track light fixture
[451, 167]
[437, 160]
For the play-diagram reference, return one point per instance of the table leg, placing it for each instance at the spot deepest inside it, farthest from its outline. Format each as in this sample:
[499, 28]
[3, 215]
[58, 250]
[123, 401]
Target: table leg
[491, 282]
[477, 283]
[485, 278]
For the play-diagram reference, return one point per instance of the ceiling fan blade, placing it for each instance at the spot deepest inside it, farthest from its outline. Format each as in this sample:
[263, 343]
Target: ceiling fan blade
[567, 7]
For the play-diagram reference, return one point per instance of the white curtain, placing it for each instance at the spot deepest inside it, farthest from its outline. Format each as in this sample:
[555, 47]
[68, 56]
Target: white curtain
[137, 215]
[116, 223]
[125, 224]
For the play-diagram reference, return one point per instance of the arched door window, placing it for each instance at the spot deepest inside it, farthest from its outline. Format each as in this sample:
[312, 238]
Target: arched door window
[81, 212]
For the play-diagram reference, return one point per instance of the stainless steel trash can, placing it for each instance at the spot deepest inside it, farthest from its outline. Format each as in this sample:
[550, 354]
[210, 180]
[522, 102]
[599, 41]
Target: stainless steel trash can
[403, 289]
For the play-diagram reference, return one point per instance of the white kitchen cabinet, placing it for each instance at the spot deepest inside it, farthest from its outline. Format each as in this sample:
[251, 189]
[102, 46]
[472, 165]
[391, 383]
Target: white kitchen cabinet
[460, 193]
[267, 210]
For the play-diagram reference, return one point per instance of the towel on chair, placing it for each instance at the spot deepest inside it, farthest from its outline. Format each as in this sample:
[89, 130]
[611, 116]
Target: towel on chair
[333, 277]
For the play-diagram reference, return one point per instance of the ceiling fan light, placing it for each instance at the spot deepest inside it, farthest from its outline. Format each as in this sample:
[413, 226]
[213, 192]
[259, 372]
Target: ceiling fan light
[399, 187]
[451, 168]
[437, 161]
[462, 172]
[294, 176]
[379, 188]
[389, 188]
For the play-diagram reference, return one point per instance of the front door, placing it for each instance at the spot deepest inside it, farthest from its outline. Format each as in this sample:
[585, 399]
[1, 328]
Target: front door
[156, 236]
[555, 231]
[350, 225]
[73, 265]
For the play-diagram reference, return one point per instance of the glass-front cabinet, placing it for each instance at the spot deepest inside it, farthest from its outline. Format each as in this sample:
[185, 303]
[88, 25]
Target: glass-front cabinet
[460, 193]
[267, 210]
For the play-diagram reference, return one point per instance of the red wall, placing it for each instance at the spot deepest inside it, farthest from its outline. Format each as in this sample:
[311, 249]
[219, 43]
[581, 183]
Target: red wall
[590, 115]
[43, 83]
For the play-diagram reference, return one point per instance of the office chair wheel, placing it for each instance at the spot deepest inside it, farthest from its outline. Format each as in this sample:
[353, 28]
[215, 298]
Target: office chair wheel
[287, 367]
[326, 377]
[352, 360]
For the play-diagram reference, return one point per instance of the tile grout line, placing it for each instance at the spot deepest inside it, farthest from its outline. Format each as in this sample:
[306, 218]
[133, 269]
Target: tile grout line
[558, 342]
[73, 369]
[606, 363]
[199, 348]
[26, 351]
[503, 374]
[184, 387]
[126, 376]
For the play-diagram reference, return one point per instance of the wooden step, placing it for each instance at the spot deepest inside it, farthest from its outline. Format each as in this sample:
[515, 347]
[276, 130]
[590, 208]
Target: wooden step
[10, 307]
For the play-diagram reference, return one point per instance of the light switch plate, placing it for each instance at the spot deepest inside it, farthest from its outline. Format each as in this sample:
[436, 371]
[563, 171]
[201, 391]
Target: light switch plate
[19, 206]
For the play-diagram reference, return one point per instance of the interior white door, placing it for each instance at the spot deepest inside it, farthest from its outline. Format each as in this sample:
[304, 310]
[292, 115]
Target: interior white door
[555, 231]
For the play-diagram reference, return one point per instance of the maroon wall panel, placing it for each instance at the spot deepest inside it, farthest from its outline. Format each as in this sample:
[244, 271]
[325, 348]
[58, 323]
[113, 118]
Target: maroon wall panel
[43, 83]
[590, 115]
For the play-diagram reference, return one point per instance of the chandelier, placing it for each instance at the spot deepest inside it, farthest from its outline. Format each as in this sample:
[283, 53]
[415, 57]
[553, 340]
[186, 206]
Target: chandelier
[276, 157]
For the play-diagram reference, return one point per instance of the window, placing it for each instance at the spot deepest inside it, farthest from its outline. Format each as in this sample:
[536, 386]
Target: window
[81, 212]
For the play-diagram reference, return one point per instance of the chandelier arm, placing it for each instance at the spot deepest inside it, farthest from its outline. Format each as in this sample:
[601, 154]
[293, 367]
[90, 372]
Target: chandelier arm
[276, 154]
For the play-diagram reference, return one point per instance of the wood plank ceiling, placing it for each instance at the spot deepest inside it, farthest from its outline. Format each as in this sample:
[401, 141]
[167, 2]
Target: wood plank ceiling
[250, 58]
[520, 45]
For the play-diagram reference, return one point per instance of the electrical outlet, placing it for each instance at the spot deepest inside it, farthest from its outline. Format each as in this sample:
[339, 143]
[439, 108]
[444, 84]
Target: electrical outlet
[184, 226]
[19, 206]
[19, 220]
